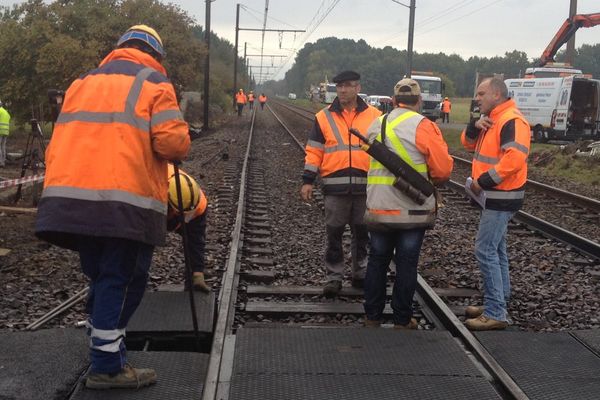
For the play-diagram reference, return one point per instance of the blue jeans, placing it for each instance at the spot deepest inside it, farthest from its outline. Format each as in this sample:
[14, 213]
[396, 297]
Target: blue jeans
[407, 244]
[118, 272]
[490, 251]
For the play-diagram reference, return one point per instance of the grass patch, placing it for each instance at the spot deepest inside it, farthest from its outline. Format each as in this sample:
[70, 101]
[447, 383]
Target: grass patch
[460, 110]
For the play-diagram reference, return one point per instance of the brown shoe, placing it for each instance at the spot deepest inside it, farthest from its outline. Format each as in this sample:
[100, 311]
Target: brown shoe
[483, 323]
[412, 324]
[128, 378]
[474, 311]
[332, 288]
[369, 323]
[198, 282]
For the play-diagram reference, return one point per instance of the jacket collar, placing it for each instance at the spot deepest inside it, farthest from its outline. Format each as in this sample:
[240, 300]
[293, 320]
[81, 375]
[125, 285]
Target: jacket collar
[501, 108]
[337, 107]
[135, 56]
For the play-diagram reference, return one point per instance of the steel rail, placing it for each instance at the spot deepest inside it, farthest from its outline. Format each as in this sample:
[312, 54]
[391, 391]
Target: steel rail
[298, 142]
[61, 308]
[295, 110]
[457, 328]
[228, 293]
[583, 245]
[582, 201]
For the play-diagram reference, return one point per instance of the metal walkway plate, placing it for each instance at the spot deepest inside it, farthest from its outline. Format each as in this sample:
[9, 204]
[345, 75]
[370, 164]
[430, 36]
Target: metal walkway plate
[180, 376]
[170, 312]
[546, 365]
[41, 365]
[352, 363]
[591, 337]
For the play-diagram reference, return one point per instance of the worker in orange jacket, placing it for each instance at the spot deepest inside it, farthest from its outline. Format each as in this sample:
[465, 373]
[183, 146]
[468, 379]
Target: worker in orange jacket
[251, 100]
[262, 99]
[105, 192]
[500, 141]
[240, 101]
[334, 154]
[445, 108]
[395, 221]
[194, 215]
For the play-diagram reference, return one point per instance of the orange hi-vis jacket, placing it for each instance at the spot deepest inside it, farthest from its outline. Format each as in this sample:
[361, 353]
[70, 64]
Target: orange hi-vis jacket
[500, 157]
[196, 212]
[106, 165]
[251, 97]
[262, 99]
[446, 106]
[334, 153]
[240, 98]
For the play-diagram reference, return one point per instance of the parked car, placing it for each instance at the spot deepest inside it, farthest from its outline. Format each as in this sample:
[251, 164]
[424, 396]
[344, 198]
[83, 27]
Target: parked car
[292, 96]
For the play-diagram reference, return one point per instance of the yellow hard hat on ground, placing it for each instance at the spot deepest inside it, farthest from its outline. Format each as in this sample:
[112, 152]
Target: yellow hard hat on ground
[190, 192]
[145, 34]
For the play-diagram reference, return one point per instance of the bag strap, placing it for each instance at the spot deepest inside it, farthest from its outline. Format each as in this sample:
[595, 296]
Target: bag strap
[383, 127]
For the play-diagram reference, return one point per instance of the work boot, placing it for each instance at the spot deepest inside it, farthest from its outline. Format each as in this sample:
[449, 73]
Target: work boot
[474, 311]
[371, 323]
[198, 282]
[331, 289]
[128, 378]
[483, 323]
[412, 324]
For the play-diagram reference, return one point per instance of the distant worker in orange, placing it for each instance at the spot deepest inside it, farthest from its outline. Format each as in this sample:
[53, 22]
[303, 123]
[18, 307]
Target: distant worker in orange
[251, 100]
[335, 154]
[396, 222]
[500, 139]
[194, 213]
[262, 99]
[446, 107]
[105, 191]
[240, 101]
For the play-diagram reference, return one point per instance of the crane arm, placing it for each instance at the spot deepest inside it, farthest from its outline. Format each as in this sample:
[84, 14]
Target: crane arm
[566, 31]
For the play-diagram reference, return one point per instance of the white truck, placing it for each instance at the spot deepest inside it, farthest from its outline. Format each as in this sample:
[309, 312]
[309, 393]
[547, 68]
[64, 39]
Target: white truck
[564, 108]
[431, 93]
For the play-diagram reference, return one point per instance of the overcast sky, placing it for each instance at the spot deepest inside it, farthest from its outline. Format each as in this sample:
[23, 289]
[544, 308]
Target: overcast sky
[464, 27]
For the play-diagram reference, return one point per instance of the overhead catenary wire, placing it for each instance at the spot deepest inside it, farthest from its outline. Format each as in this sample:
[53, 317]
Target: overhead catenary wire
[309, 31]
[428, 20]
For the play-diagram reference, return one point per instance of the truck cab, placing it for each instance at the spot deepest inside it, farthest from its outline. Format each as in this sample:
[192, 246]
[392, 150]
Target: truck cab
[431, 94]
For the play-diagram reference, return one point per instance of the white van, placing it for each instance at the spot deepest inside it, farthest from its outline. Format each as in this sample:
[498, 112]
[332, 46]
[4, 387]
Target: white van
[292, 96]
[558, 108]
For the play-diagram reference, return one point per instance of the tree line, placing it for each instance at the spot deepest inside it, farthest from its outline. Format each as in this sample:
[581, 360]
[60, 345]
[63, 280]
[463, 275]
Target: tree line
[381, 68]
[47, 45]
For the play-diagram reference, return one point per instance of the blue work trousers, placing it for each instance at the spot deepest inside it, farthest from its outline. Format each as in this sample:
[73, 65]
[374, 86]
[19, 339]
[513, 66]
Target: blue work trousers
[407, 246]
[118, 272]
[490, 251]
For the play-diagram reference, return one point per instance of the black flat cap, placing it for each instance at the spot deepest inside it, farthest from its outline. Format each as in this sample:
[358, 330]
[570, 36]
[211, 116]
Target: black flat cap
[346, 76]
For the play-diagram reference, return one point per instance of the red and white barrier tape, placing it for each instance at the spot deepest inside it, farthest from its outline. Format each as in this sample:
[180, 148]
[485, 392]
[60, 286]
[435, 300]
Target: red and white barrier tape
[14, 182]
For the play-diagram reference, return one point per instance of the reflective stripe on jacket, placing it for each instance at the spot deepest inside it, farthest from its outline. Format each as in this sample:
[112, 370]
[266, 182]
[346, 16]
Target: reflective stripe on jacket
[4, 122]
[500, 157]
[107, 161]
[334, 153]
[240, 98]
[420, 144]
[202, 203]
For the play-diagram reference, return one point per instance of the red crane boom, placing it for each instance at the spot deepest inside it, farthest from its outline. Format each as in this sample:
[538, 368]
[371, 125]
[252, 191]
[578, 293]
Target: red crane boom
[566, 31]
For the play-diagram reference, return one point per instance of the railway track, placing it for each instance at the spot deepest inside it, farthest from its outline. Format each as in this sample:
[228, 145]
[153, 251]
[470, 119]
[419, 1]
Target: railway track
[251, 237]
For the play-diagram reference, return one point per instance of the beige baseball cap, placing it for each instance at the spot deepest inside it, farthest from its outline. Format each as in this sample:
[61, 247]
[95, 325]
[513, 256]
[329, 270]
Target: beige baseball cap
[407, 87]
